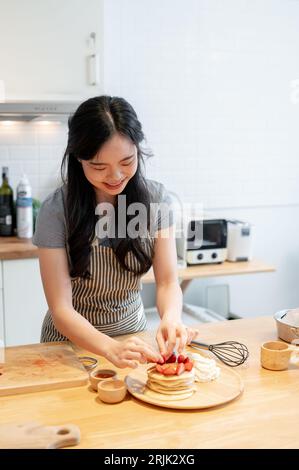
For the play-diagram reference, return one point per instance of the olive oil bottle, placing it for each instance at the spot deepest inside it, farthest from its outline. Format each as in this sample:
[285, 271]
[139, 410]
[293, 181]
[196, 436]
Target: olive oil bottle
[6, 206]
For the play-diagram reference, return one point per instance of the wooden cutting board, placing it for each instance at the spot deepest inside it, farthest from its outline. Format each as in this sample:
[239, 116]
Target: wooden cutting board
[37, 367]
[36, 436]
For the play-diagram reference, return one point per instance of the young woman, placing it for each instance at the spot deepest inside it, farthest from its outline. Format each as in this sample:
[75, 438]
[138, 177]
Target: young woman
[92, 283]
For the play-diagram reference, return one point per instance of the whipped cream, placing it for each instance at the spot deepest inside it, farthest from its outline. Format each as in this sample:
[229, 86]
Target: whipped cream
[206, 369]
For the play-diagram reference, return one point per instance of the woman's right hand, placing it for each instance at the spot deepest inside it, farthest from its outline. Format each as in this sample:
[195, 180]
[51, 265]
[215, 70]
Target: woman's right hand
[131, 352]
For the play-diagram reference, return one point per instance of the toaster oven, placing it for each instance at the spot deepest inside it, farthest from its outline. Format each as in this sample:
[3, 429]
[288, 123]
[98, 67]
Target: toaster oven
[204, 241]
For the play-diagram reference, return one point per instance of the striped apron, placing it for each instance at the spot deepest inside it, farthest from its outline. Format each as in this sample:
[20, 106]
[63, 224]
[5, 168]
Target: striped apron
[110, 300]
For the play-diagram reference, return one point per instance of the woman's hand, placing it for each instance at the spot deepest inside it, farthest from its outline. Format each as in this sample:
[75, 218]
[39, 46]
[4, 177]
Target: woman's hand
[131, 352]
[169, 332]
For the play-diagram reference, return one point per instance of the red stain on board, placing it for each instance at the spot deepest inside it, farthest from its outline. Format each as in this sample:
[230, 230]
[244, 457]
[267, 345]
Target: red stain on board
[39, 362]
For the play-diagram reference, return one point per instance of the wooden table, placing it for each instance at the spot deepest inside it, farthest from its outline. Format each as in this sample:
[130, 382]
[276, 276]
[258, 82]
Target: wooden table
[266, 415]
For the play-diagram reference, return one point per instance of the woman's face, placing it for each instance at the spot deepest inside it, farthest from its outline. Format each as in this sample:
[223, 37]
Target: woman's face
[113, 166]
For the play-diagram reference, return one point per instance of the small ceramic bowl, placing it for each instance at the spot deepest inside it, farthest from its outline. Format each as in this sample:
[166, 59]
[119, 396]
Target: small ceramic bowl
[112, 391]
[100, 375]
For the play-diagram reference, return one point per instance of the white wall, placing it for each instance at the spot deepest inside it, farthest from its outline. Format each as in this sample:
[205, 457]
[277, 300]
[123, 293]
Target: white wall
[213, 84]
[35, 149]
[212, 81]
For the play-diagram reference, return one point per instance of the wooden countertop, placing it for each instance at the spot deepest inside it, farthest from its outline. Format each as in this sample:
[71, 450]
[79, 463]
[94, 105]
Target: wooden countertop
[17, 248]
[226, 268]
[266, 415]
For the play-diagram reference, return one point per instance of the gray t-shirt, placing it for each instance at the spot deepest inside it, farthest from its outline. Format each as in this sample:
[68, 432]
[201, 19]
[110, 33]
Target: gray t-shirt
[51, 229]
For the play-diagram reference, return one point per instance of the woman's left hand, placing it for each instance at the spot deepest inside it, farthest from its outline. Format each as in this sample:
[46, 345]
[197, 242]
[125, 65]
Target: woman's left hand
[169, 332]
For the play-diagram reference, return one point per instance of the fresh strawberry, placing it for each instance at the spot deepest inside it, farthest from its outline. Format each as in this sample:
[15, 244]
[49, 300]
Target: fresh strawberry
[171, 358]
[172, 366]
[164, 356]
[170, 371]
[165, 366]
[181, 358]
[180, 368]
[161, 361]
[188, 366]
[159, 368]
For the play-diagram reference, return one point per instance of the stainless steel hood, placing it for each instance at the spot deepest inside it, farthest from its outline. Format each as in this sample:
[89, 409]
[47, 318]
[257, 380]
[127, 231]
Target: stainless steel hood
[37, 110]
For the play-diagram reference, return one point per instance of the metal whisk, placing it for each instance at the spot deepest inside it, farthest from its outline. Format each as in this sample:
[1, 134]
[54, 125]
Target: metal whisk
[231, 353]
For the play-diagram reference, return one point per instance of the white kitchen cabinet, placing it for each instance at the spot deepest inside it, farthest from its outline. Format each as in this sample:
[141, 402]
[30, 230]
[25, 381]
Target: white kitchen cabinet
[45, 46]
[23, 301]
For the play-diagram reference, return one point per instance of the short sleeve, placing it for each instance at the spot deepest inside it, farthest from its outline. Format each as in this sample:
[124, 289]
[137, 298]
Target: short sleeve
[162, 214]
[165, 216]
[50, 229]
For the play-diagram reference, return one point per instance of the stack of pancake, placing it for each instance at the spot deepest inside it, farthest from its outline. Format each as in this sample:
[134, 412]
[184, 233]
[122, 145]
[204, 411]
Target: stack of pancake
[170, 387]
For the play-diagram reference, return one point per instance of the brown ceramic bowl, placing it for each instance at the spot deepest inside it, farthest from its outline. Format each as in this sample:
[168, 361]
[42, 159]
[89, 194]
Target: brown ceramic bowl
[112, 391]
[99, 375]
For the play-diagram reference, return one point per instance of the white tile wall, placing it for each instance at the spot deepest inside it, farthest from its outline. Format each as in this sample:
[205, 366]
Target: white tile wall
[36, 150]
[211, 81]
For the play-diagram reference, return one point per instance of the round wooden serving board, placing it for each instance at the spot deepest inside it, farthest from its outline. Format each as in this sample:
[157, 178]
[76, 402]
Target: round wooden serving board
[226, 388]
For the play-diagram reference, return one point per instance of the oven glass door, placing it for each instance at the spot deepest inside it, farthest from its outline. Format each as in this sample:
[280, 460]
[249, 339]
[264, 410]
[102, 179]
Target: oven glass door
[207, 234]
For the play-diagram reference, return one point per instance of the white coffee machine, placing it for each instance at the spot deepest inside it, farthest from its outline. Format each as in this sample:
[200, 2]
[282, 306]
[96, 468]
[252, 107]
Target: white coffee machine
[239, 240]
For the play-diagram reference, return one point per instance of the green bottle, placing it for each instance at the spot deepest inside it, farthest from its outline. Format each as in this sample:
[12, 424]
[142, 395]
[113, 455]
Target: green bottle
[6, 206]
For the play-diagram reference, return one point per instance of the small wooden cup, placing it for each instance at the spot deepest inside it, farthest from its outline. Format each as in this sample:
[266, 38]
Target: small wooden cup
[99, 375]
[112, 391]
[275, 355]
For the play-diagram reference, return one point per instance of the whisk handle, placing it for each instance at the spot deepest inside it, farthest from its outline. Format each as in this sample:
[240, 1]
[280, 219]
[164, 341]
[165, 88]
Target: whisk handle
[201, 345]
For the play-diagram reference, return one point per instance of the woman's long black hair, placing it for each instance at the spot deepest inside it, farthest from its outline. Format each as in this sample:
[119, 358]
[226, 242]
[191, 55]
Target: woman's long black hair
[94, 123]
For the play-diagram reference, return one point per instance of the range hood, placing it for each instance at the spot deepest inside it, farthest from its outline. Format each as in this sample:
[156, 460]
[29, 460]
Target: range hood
[37, 110]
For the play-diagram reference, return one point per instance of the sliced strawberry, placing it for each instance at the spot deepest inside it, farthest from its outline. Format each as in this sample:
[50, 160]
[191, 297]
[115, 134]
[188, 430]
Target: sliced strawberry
[164, 366]
[170, 371]
[187, 360]
[171, 358]
[159, 368]
[180, 368]
[171, 367]
[188, 366]
[181, 358]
